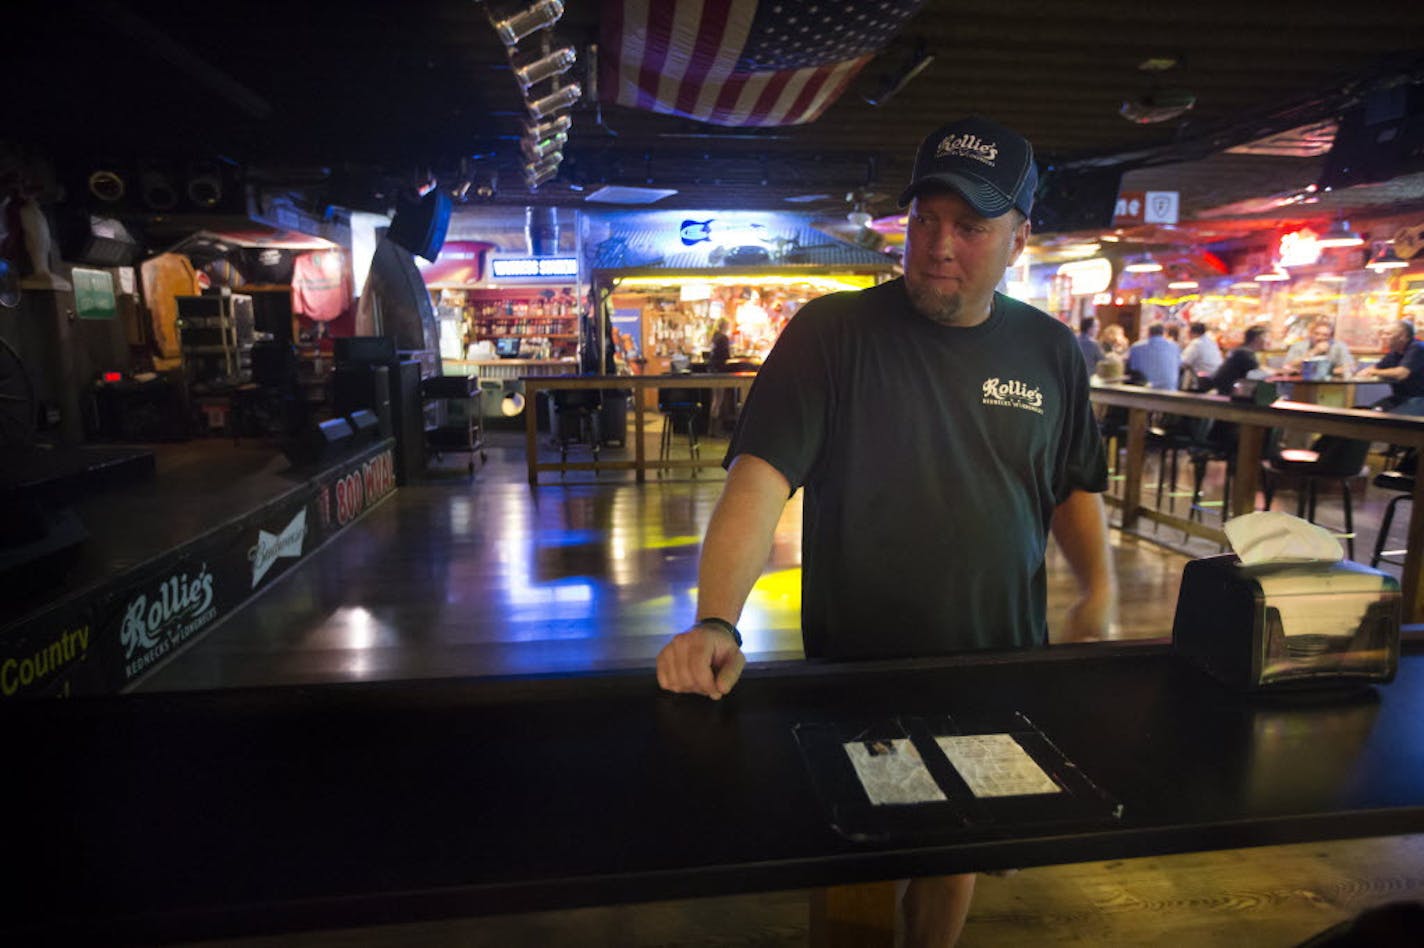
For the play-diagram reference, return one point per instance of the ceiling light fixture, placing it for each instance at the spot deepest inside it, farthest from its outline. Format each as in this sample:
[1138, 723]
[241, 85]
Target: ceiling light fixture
[1340, 235]
[1274, 275]
[554, 64]
[1162, 105]
[1145, 265]
[1183, 285]
[560, 98]
[538, 16]
[1386, 259]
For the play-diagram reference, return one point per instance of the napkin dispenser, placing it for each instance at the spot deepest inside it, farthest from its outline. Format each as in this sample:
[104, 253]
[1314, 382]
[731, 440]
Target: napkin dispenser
[1285, 626]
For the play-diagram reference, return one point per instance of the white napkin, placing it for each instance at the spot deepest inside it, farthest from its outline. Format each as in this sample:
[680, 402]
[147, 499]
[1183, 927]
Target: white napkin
[1268, 536]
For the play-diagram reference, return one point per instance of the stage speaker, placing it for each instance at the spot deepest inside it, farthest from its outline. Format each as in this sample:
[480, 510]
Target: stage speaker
[364, 350]
[365, 426]
[318, 443]
[420, 227]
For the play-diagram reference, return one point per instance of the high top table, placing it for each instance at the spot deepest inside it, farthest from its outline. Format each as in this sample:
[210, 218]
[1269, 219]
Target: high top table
[197, 815]
[638, 384]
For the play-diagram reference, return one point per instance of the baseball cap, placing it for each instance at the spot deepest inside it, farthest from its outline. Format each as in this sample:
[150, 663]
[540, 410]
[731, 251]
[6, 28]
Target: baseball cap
[983, 162]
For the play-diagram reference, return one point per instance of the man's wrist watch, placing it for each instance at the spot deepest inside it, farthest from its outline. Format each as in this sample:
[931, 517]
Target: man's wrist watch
[722, 624]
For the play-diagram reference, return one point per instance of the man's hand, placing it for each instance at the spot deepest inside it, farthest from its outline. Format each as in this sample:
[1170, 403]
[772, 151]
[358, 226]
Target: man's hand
[704, 660]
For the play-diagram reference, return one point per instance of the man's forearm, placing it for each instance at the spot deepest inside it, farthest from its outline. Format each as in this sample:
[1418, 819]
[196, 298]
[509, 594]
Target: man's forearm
[739, 537]
[1080, 527]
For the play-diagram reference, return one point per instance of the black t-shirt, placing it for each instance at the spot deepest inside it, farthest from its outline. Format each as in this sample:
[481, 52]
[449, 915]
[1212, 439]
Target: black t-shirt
[933, 458]
[1235, 368]
[1412, 358]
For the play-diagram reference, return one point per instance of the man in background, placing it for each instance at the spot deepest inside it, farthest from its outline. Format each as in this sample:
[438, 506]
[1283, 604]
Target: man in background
[1403, 368]
[1155, 359]
[1321, 344]
[1202, 356]
[1243, 363]
[1088, 342]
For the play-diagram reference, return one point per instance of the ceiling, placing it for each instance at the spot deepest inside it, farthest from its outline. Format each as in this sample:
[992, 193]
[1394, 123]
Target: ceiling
[355, 99]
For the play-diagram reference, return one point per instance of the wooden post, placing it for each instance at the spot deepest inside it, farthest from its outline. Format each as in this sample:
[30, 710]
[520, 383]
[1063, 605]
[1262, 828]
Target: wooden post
[1249, 440]
[531, 428]
[1136, 452]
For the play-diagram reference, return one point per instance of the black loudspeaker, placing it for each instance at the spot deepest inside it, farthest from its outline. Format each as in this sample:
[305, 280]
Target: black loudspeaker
[357, 387]
[364, 350]
[1379, 140]
[1075, 199]
[318, 443]
[365, 426]
[420, 227]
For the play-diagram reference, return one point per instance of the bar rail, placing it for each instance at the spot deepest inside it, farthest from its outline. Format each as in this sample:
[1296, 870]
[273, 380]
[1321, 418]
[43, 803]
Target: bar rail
[1254, 421]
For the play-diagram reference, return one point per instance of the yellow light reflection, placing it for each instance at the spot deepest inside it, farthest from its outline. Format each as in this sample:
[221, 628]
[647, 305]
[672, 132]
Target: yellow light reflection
[826, 284]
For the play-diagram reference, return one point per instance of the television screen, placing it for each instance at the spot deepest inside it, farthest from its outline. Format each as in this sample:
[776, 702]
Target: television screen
[507, 348]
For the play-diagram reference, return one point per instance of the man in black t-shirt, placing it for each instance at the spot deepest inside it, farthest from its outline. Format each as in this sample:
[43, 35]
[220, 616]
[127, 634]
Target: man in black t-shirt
[1242, 363]
[1403, 367]
[941, 431]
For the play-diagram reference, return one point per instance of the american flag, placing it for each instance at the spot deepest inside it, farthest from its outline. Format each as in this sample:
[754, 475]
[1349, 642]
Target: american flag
[741, 62]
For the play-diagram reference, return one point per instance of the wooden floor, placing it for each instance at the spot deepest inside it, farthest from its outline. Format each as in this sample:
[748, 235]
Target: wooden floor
[488, 576]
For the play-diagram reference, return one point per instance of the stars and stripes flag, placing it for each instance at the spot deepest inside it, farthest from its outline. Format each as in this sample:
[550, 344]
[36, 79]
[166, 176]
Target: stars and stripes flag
[741, 62]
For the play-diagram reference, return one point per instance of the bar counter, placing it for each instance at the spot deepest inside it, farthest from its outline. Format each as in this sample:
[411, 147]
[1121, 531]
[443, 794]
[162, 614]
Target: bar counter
[220, 814]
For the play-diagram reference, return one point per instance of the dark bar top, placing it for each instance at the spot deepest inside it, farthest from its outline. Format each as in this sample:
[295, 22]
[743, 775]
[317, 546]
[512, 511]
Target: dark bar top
[193, 815]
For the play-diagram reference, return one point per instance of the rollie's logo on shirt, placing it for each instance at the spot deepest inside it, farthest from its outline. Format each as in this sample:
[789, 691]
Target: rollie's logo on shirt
[1012, 393]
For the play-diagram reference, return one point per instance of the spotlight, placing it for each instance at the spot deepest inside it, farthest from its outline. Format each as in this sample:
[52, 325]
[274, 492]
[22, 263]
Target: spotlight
[560, 98]
[555, 125]
[107, 186]
[205, 185]
[538, 16]
[158, 191]
[538, 148]
[859, 218]
[556, 63]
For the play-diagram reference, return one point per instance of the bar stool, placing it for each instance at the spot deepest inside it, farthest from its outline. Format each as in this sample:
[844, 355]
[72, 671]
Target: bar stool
[1329, 459]
[576, 420]
[1401, 479]
[679, 406]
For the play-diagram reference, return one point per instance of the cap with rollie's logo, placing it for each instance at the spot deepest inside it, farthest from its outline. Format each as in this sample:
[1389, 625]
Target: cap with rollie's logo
[983, 162]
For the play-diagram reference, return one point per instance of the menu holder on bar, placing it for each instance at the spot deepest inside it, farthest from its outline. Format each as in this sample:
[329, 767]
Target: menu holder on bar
[940, 776]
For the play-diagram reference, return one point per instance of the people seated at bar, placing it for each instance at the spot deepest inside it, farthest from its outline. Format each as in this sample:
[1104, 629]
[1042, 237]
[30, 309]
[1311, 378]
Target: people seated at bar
[1202, 356]
[1088, 342]
[1321, 344]
[1403, 367]
[1243, 362]
[1113, 364]
[1156, 359]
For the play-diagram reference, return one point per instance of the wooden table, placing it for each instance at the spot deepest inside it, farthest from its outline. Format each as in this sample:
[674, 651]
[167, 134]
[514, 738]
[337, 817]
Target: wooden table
[742, 381]
[1334, 391]
[1254, 421]
[198, 815]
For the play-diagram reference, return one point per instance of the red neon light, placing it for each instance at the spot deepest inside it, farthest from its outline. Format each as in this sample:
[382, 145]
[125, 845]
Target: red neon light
[113, 376]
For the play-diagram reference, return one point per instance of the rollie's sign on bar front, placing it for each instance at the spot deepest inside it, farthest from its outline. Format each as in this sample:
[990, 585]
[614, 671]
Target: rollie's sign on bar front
[104, 640]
